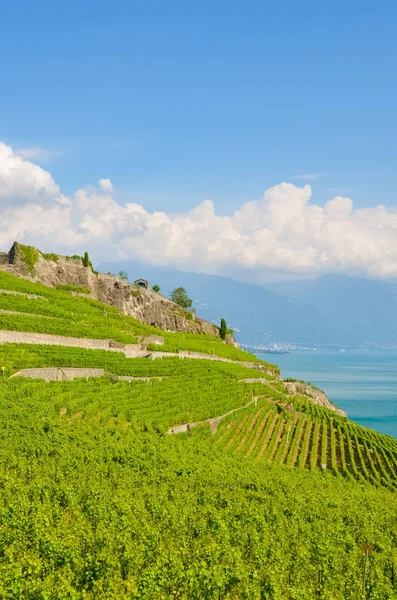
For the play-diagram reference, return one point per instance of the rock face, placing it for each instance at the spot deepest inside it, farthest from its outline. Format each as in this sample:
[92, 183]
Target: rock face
[144, 304]
[313, 394]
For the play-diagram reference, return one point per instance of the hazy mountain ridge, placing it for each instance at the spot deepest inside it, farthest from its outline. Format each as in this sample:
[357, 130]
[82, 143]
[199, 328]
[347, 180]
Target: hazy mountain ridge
[332, 310]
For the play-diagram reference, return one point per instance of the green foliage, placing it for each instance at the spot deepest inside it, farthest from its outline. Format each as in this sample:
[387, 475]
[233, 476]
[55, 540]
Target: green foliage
[198, 391]
[223, 329]
[74, 257]
[97, 503]
[179, 296]
[23, 356]
[74, 288]
[84, 317]
[86, 260]
[156, 288]
[310, 436]
[30, 256]
[50, 256]
[123, 275]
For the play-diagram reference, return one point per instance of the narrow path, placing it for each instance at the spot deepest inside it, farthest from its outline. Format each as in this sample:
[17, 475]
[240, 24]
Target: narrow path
[14, 293]
[213, 420]
[24, 314]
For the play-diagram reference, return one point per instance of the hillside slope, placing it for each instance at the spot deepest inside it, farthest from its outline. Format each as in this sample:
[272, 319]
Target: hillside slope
[142, 303]
[27, 306]
[270, 492]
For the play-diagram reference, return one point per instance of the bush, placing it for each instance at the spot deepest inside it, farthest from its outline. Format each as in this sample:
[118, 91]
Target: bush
[74, 257]
[156, 288]
[50, 256]
[74, 288]
[30, 256]
[179, 296]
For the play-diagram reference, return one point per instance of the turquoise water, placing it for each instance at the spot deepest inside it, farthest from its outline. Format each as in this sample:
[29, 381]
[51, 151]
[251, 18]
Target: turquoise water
[364, 384]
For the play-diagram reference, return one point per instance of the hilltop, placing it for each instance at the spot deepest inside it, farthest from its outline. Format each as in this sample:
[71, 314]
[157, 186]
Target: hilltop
[137, 300]
[143, 463]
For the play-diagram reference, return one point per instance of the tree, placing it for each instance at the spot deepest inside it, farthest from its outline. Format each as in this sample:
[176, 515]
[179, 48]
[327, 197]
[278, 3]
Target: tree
[156, 288]
[223, 329]
[179, 296]
[123, 275]
[86, 260]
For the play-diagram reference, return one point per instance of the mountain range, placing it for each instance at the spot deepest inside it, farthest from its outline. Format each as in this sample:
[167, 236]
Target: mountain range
[331, 310]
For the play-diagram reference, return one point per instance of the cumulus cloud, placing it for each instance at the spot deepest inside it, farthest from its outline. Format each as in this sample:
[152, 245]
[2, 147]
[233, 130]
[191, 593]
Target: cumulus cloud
[22, 182]
[284, 232]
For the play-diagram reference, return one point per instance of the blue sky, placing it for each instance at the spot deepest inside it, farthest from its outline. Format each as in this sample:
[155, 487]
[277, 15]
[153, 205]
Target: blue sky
[220, 101]
[163, 132]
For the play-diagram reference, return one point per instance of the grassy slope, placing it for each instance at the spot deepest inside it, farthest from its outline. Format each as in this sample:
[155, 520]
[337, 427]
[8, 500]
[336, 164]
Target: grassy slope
[96, 502]
[93, 506]
[83, 317]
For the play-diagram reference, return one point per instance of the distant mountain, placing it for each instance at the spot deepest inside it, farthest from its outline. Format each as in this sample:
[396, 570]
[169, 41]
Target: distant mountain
[333, 309]
[365, 310]
[257, 315]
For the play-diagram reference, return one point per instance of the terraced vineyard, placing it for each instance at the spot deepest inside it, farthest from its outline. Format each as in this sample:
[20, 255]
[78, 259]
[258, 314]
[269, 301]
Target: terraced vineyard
[279, 429]
[300, 434]
[98, 502]
[31, 307]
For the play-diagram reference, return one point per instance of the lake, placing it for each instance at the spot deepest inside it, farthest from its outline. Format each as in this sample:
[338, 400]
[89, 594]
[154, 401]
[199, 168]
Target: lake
[364, 384]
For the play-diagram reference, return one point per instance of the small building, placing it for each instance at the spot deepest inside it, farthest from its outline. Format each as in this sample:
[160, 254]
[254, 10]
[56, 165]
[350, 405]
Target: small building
[142, 283]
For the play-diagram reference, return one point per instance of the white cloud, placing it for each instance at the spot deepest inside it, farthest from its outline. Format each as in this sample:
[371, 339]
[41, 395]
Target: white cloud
[284, 232]
[106, 185]
[308, 176]
[21, 181]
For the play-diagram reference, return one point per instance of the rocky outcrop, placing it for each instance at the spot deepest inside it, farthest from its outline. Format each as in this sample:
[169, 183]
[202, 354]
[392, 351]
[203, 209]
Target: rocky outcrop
[313, 394]
[144, 304]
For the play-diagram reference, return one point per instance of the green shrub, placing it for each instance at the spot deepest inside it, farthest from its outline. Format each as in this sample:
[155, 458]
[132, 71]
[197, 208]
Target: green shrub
[73, 288]
[30, 256]
[50, 256]
[74, 257]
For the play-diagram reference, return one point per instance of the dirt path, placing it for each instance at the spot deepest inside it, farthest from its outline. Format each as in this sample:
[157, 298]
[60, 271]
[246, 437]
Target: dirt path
[13, 293]
[24, 314]
[184, 426]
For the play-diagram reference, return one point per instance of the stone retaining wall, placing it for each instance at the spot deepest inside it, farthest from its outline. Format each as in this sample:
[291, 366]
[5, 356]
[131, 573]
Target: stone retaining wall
[60, 374]
[24, 337]
[70, 373]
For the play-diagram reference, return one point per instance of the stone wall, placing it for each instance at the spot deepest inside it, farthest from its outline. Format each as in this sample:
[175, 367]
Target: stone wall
[22, 337]
[60, 373]
[313, 394]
